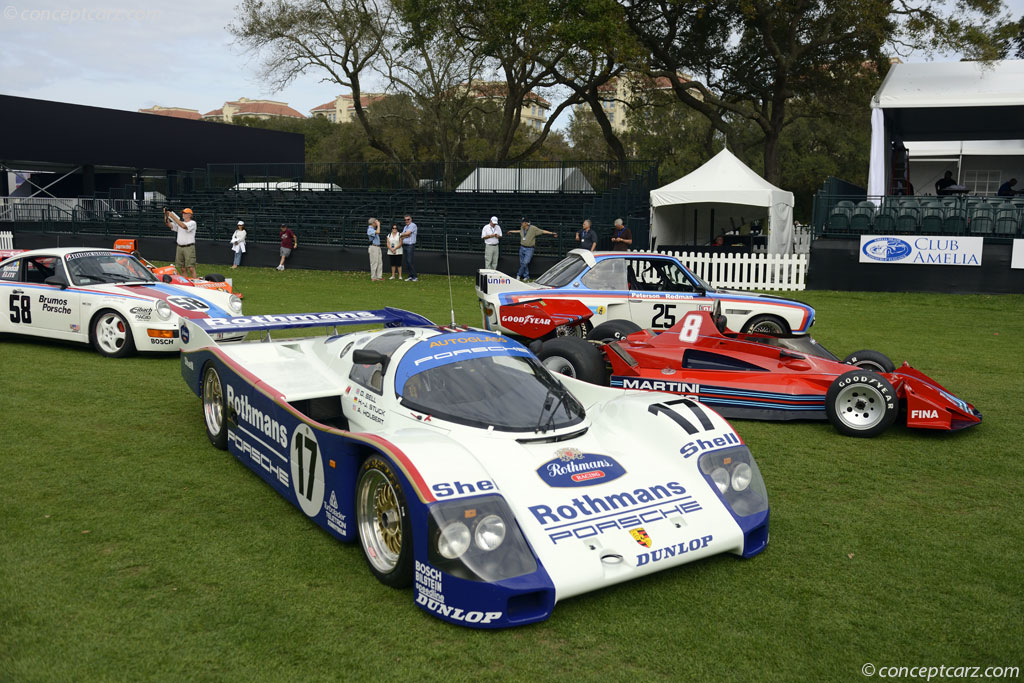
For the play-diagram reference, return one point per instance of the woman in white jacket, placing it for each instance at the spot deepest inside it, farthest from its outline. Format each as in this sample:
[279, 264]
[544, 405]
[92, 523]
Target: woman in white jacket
[238, 243]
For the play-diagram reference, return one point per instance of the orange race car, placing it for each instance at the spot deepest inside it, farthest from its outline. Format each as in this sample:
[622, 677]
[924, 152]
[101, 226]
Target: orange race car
[169, 273]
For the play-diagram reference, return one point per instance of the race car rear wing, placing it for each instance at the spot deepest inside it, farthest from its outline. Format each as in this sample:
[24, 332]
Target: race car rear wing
[208, 331]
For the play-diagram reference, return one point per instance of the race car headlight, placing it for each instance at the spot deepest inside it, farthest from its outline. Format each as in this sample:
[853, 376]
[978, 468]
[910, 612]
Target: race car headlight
[490, 532]
[235, 304]
[741, 477]
[721, 478]
[453, 541]
[477, 539]
[734, 475]
[163, 309]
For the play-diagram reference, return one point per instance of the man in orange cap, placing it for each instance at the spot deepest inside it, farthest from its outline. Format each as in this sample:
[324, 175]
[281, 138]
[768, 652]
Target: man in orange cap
[185, 227]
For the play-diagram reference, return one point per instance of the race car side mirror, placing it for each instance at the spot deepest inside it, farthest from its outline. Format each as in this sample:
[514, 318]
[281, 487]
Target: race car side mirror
[368, 357]
[56, 280]
[166, 278]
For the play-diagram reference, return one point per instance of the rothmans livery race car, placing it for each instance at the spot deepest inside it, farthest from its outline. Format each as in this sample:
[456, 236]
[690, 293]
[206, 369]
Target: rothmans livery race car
[760, 376]
[468, 471]
[100, 296]
[652, 290]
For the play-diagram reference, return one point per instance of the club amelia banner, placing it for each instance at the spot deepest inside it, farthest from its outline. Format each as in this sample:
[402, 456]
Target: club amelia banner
[925, 250]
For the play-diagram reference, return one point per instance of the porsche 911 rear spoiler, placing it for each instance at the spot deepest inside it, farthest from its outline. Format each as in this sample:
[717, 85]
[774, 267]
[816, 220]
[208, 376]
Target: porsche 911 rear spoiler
[205, 331]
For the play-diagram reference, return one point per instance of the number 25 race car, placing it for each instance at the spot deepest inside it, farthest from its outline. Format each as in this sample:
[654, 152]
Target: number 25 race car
[468, 471]
[653, 290]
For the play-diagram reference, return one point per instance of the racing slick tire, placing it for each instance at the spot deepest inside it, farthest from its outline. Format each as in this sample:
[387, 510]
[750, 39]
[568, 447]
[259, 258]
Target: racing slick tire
[875, 361]
[766, 324]
[574, 357]
[382, 517]
[861, 403]
[613, 330]
[214, 408]
[214, 277]
[111, 335]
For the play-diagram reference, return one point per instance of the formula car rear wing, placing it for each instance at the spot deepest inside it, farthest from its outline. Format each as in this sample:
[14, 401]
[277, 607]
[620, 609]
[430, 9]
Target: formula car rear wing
[208, 331]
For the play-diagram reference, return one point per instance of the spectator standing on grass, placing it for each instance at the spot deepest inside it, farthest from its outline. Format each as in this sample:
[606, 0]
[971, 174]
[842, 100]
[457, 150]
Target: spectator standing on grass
[587, 237]
[238, 244]
[622, 238]
[373, 234]
[409, 248]
[491, 235]
[395, 251]
[288, 243]
[185, 253]
[528, 235]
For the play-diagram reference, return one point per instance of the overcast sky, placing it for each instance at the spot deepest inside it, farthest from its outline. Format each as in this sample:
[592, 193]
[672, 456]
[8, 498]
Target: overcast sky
[131, 54]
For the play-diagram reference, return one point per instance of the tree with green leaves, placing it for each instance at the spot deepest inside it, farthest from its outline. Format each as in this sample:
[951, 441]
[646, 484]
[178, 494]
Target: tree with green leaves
[747, 60]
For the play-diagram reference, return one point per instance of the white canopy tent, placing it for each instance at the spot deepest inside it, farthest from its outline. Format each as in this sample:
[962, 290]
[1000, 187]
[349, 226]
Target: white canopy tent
[954, 102]
[719, 196]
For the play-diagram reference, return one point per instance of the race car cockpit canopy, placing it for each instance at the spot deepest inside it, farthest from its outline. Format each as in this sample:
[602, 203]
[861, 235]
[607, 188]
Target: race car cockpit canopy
[484, 380]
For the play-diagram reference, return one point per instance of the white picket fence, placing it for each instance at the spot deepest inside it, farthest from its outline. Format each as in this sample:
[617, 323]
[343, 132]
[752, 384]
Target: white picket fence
[749, 271]
[6, 239]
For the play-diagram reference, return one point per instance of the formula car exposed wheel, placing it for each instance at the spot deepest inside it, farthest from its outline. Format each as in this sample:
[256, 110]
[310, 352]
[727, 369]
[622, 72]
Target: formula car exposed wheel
[214, 408]
[382, 517]
[612, 330]
[574, 357]
[861, 403]
[214, 277]
[766, 324]
[874, 361]
[111, 335]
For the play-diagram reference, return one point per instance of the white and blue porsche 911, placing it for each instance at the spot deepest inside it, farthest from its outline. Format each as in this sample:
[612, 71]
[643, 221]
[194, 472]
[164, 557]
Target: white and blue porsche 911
[102, 297]
[468, 471]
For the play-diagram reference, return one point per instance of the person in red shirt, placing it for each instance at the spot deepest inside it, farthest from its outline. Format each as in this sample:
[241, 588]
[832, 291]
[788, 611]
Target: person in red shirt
[288, 242]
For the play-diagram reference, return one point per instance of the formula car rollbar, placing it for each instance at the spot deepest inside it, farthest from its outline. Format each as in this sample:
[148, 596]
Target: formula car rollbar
[208, 331]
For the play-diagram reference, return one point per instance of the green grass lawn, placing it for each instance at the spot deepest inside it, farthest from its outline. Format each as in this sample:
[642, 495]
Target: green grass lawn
[131, 549]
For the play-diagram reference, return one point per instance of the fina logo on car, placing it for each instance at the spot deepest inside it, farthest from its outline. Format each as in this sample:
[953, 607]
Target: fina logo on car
[887, 249]
[574, 468]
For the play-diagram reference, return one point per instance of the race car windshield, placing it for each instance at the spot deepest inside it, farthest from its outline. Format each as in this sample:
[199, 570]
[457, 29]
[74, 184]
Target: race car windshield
[88, 268]
[563, 272]
[508, 393]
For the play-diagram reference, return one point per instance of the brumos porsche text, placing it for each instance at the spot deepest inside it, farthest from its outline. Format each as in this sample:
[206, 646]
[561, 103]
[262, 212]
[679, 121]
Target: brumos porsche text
[54, 305]
[273, 429]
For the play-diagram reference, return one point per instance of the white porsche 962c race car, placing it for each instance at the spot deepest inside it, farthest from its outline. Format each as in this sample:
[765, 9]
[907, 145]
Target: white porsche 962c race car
[100, 296]
[467, 470]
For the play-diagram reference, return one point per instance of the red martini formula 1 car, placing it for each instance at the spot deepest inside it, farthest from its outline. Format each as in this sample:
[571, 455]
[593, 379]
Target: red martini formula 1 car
[759, 376]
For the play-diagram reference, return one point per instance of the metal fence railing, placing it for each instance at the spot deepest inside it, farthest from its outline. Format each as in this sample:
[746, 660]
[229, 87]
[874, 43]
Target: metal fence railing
[563, 177]
[844, 215]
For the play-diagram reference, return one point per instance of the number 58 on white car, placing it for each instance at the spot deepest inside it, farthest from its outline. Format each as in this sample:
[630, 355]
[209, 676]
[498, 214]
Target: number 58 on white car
[468, 471]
